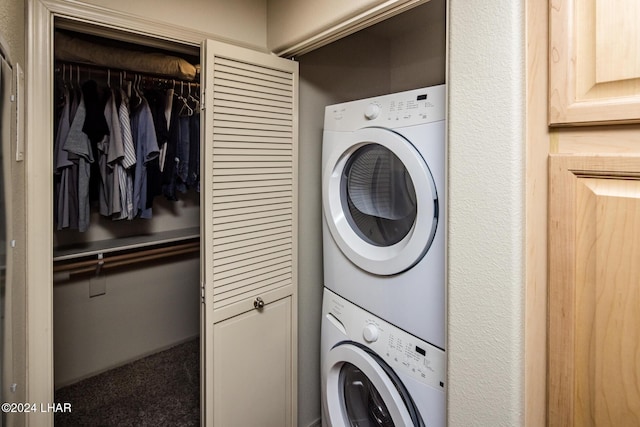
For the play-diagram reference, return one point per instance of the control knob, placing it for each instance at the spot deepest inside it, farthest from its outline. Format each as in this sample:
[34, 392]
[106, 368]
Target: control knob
[370, 333]
[372, 111]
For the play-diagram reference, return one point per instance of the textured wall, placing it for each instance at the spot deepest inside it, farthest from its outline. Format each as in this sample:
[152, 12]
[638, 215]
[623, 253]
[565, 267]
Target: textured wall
[291, 21]
[238, 20]
[486, 213]
[12, 27]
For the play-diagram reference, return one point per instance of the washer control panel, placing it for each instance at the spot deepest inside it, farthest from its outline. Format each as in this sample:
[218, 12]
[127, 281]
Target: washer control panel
[401, 350]
[402, 109]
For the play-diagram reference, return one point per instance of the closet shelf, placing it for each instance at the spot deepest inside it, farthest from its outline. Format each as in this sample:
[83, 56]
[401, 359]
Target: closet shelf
[66, 68]
[126, 244]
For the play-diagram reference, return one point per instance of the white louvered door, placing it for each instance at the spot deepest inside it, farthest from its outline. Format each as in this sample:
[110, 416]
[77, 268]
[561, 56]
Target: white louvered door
[249, 250]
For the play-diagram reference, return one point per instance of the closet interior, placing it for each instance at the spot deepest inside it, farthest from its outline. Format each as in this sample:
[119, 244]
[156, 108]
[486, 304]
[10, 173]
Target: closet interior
[126, 219]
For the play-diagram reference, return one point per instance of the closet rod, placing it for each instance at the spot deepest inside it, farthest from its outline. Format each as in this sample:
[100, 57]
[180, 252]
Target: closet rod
[140, 256]
[74, 67]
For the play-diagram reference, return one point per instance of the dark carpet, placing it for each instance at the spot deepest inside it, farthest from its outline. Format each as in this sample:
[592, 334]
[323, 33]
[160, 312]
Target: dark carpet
[160, 390]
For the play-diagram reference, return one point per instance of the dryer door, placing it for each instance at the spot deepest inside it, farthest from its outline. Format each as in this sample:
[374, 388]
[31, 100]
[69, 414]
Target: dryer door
[379, 200]
[362, 390]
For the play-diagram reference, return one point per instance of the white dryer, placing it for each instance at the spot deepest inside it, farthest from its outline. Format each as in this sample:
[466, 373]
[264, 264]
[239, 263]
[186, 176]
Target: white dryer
[383, 189]
[374, 374]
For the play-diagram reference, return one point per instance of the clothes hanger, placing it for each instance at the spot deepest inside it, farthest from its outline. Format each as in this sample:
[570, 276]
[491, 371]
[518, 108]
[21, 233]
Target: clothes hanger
[195, 100]
[77, 86]
[135, 98]
[185, 105]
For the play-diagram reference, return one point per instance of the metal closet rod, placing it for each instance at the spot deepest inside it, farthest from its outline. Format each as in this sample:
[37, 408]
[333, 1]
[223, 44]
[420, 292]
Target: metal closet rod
[75, 68]
[100, 262]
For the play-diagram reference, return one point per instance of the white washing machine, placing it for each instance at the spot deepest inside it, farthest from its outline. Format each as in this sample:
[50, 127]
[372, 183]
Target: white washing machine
[383, 189]
[375, 374]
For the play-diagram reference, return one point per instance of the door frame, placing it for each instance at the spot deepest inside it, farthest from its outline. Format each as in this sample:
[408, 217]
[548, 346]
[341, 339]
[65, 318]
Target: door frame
[41, 15]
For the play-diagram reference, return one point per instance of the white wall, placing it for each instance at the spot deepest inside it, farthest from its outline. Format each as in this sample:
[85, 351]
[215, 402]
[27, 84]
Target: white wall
[291, 21]
[12, 27]
[238, 20]
[486, 213]
[144, 309]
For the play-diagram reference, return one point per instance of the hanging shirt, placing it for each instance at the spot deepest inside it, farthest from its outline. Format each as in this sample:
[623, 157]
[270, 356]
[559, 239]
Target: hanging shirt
[95, 127]
[129, 160]
[61, 157]
[182, 153]
[167, 117]
[170, 171]
[62, 167]
[156, 100]
[144, 138]
[78, 146]
[193, 180]
[116, 176]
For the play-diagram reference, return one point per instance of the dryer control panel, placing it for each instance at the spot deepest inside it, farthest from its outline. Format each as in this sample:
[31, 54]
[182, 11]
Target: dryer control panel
[402, 109]
[400, 350]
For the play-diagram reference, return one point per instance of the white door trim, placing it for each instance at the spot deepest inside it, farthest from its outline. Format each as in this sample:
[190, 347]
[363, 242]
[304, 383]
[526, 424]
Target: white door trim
[39, 170]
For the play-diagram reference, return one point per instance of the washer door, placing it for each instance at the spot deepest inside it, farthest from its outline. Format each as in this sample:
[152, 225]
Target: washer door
[380, 201]
[361, 390]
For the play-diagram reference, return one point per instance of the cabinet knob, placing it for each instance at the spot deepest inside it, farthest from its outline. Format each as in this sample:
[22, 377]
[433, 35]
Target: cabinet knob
[258, 303]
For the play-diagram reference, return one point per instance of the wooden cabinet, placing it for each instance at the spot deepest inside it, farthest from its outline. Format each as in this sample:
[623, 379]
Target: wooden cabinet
[594, 291]
[594, 62]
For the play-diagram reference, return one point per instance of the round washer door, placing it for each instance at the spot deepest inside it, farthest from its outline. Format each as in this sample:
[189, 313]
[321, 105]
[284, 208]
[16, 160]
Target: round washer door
[361, 391]
[380, 201]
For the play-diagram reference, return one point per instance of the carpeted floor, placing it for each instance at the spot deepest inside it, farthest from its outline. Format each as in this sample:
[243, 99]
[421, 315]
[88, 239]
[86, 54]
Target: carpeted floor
[160, 390]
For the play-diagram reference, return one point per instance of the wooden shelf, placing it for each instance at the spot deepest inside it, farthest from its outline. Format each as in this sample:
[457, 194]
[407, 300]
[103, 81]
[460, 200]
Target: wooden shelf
[144, 241]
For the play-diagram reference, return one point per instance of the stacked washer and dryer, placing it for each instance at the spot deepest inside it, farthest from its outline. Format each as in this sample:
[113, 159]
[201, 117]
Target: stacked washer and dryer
[383, 326]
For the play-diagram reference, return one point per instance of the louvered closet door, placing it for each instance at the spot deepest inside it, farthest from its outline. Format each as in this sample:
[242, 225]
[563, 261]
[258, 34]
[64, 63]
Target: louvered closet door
[249, 237]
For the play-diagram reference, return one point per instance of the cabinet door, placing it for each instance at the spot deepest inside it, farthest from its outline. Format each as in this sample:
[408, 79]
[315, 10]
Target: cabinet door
[594, 62]
[594, 291]
[252, 360]
[248, 234]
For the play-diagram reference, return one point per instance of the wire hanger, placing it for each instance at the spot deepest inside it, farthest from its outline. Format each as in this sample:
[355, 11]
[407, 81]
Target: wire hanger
[185, 105]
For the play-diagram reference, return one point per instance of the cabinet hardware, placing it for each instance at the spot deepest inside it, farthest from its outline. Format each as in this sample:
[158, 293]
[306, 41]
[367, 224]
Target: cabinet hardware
[258, 303]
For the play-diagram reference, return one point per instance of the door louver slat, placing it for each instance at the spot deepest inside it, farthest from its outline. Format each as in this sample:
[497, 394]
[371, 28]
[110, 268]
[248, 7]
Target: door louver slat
[252, 279]
[251, 108]
[256, 256]
[252, 178]
[250, 97]
[244, 247]
[263, 287]
[253, 198]
[257, 71]
[234, 179]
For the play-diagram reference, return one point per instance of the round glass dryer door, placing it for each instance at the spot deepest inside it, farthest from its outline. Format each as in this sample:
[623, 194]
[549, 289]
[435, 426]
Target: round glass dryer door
[380, 201]
[363, 391]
